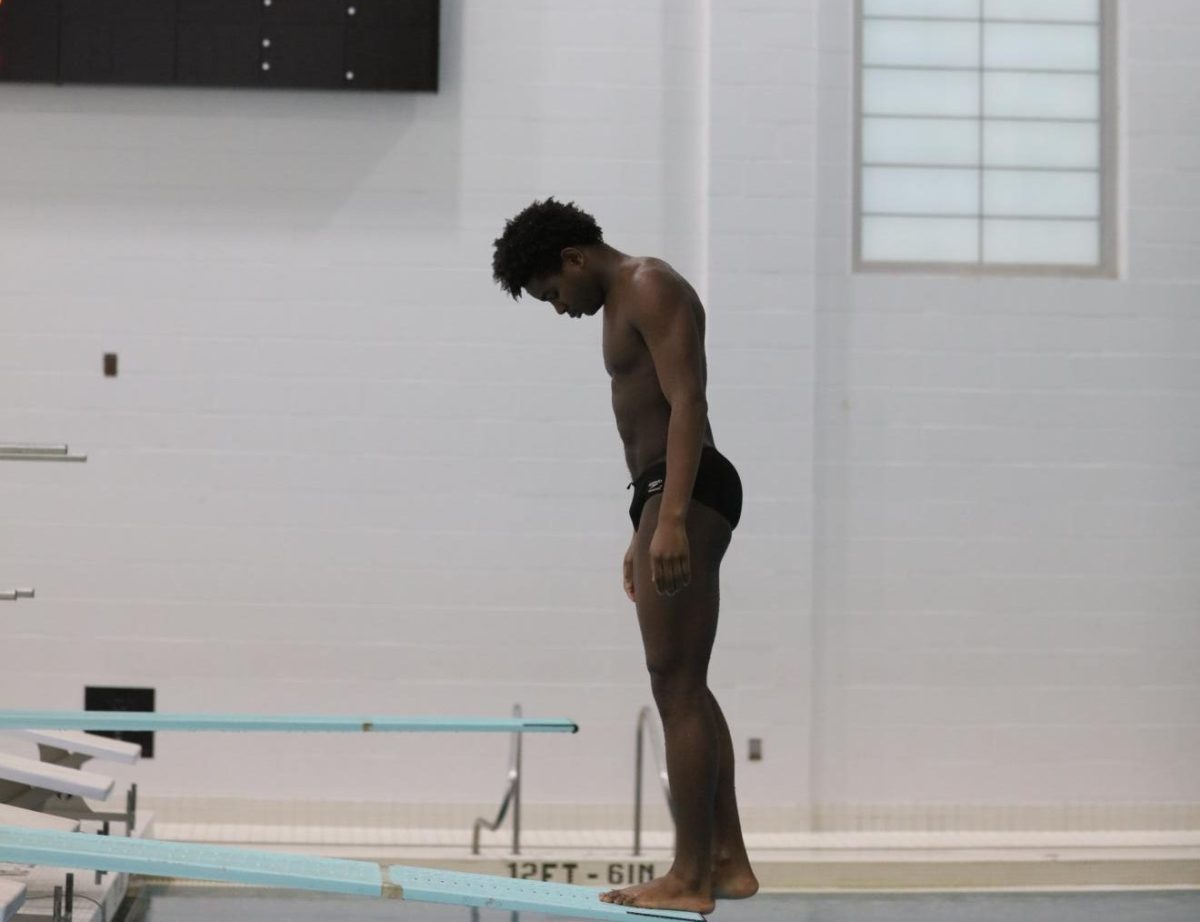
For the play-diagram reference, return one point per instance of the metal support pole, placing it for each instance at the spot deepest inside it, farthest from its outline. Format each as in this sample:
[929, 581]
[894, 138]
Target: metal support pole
[637, 791]
[516, 846]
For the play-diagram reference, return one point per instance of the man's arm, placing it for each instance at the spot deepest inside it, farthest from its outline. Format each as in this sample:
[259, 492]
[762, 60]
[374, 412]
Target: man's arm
[664, 318]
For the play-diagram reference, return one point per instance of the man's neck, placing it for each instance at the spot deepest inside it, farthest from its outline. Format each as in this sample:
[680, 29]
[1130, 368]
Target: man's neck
[610, 262]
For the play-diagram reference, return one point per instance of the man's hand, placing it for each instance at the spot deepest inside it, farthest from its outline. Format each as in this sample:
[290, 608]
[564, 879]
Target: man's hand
[629, 570]
[670, 557]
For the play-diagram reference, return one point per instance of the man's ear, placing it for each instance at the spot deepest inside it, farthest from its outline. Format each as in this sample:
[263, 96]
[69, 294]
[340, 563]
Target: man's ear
[572, 256]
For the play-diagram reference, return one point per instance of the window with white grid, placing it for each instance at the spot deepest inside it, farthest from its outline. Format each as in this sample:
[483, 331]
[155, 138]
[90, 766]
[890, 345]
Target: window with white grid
[983, 134]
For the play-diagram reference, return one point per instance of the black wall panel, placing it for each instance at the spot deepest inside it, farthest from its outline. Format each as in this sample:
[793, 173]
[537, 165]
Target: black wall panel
[117, 41]
[219, 42]
[391, 43]
[304, 54]
[217, 54]
[29, 32]
[319, 44]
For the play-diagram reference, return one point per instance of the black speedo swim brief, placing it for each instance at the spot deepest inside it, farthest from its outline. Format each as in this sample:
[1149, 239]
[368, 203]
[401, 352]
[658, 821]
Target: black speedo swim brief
[718, 486]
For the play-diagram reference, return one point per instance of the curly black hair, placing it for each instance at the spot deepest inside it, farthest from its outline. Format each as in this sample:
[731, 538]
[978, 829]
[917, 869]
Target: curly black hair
[533, 241]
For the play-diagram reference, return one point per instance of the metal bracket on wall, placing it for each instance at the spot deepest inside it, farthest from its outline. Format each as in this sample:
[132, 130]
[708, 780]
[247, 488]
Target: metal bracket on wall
[21, 452]
[11, 595]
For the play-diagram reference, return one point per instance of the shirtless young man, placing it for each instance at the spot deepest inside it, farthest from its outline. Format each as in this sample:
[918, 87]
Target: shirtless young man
[654, 352]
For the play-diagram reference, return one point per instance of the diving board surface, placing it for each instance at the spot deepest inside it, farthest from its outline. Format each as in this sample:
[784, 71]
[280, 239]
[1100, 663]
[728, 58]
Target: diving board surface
[428, 885]
[114, 721]
[304, 872]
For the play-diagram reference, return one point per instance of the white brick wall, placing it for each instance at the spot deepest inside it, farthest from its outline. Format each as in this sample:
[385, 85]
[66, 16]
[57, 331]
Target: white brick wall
[340, 471]
[1008, 489]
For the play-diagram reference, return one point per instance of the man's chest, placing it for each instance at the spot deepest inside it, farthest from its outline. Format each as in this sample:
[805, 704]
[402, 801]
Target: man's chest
[624, 349]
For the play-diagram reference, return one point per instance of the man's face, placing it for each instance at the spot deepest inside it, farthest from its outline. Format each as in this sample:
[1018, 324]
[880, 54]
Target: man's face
[554, 290]
[568, 290]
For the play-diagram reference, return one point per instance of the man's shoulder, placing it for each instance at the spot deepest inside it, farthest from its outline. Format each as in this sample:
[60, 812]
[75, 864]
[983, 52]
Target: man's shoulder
[652, 284]
[651, 271]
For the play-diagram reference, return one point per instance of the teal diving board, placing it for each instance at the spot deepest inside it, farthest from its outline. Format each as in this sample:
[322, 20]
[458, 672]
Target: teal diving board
[113, 721]
[304, 872]
[458, 888]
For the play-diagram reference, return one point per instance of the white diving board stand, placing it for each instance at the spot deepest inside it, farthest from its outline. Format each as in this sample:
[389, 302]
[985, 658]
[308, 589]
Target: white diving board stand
[33, 819]
[87, 744]
[55, 777]
[114, 721]
[304, 872]
[12, 898]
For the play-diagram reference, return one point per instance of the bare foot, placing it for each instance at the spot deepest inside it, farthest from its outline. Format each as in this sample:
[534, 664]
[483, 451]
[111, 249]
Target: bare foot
[733, 880]
[663, 893]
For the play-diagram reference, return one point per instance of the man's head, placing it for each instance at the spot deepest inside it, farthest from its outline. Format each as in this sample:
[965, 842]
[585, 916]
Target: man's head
[549, 250]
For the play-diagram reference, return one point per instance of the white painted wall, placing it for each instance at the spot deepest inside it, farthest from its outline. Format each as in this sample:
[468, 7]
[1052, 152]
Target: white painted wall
[1007, 489]
[341, 472]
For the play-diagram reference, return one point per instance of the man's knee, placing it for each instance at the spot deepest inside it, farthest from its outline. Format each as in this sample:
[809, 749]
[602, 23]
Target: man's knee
[673, 685]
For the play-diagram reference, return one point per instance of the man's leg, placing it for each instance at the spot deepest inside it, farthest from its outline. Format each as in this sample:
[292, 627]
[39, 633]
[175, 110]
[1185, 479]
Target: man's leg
[733, 878]
[678, 633]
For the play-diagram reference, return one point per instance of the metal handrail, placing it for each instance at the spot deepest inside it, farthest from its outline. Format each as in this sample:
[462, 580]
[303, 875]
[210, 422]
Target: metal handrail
[11, 595]
[511, 796]
[644, 721]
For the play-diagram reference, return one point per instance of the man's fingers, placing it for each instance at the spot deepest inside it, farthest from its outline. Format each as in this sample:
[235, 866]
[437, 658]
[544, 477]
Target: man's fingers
[682, 575]
[670, 574]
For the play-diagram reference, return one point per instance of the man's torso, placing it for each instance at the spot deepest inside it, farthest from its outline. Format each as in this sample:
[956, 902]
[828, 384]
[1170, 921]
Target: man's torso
[642, 411]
